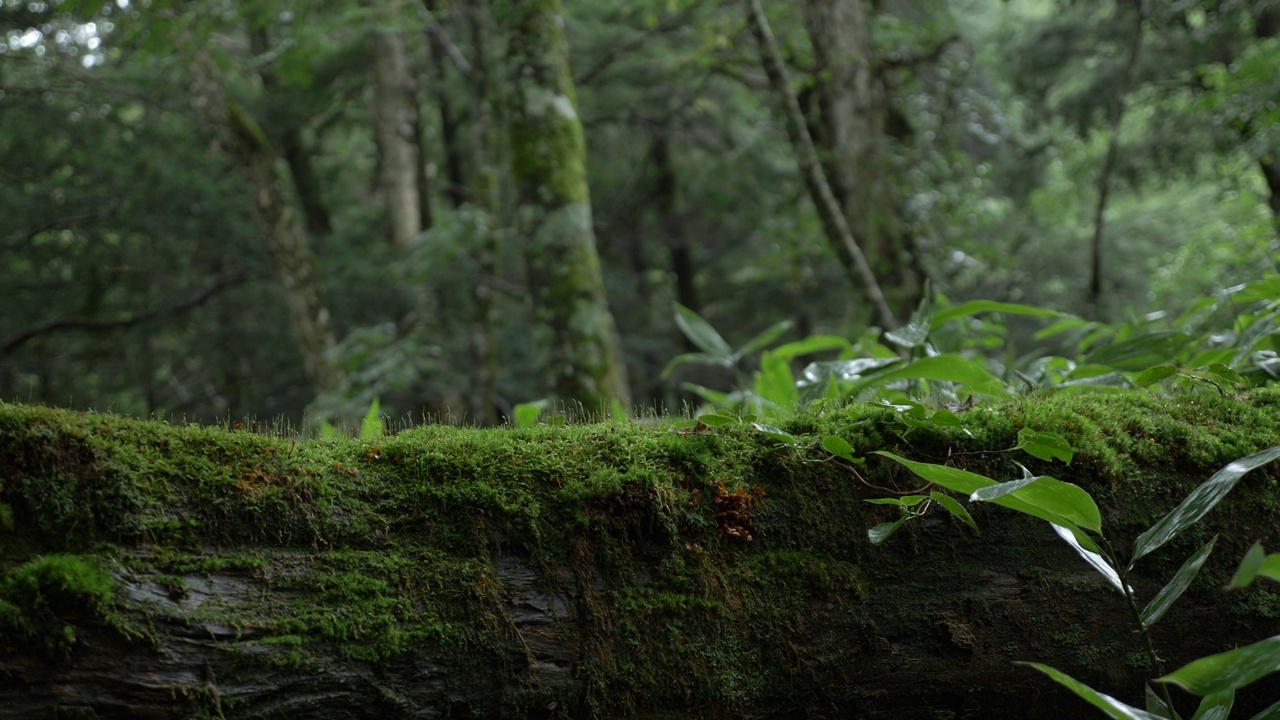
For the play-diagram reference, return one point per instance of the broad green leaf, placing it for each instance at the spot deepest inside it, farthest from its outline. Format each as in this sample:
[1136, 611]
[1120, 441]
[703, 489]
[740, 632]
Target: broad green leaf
[1045, 445]
[1216, 706]
[1156, 705]
[701, 334]
[1066, 324]
[843, 370]
[1153, 375]
[695, 359]
[973, 307]
[1091, 556]
[838, 446]
[774, 433]
[1200, 501]
[1271, 712]
[717, 419]
[1249, 567]
[714, 397]
[1224, 373]
[904, 501]
[1107, 704]
[916, 331]
[1141, 352]
[954, 507]
[1051, 496]
[1177, 585]
[945, 368]
[775, 384]
[810, 345]
[945, 418]
[962, 481]
[763, 340]
[1230, 670]
[878, 534]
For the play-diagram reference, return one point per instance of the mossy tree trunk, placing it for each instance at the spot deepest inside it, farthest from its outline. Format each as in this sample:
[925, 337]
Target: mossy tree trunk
[596, 571]
[396, 125]
[582, 360]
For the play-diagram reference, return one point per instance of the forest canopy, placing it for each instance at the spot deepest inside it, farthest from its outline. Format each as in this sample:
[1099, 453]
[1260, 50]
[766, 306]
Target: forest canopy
[275, 208]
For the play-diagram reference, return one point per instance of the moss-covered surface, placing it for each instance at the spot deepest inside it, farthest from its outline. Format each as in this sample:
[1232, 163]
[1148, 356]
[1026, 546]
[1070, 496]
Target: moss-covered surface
[695, 572]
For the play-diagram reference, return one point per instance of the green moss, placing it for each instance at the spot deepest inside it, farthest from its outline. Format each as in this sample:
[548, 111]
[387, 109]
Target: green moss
[45, 599]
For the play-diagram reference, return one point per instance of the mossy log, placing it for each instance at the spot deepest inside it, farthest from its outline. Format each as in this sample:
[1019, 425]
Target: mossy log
[155, 570]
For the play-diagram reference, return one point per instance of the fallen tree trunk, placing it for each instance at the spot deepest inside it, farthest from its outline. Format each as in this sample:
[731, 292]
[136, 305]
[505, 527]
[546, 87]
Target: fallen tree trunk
[598, 571]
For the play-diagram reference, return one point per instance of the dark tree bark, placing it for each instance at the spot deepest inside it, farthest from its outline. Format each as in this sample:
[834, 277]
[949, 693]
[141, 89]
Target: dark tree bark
[451, 135]
[666, 195]
[397, 128]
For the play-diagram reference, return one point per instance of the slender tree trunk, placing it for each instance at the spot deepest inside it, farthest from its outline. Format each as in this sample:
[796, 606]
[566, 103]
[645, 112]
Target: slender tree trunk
[1109, 162]
[306, 183]
[852, 110]
[485, 193]
[396, 126]
[667, 199]
[583, 362]
[840, 237]
[450, 123]
[237, 134]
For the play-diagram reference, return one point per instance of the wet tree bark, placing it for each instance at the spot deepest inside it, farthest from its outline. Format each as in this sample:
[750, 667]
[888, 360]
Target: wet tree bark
[582, 362]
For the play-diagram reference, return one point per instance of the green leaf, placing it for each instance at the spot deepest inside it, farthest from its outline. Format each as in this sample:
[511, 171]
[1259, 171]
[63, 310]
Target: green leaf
[1045, 445]
[1249, 567]
[1224, 373]
[916, 331]
[954, 507]
[878, 534]
[701, 334]
[904, 501]
[1051, 496]
[695, 359]
[526, 414]
[945, 368]
[1177, 585]
[775, 384]
[1200, 501]
[1153, 375]
[774, 433]
[763, 340]
[1091, 556]
[1230, 670]
[1155, 704]
[717, 419]
[1142, 351]
[838, 446]
[973, 307]
[371, 426]
[1271, 712]
[810, 345]
[1216, 706]
[1107, 704]
[962, 481]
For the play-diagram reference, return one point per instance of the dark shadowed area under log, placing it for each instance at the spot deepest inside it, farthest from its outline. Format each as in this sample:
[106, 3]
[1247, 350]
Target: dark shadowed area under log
[600, 571]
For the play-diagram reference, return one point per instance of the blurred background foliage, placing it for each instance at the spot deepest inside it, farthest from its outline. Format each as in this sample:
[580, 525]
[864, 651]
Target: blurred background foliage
[135, 277]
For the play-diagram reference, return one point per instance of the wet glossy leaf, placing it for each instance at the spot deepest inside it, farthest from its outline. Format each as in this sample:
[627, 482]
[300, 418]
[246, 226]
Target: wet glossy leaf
[1177, 585]
[1271, 712]
[1091, 556]
[1107, 704]
[1153, 375]
[946, 368]
[916, 331]
[774, 433]
[878, 534]
[1230, 670]
[1051, 496]
[1216, 706]
[1200, 501]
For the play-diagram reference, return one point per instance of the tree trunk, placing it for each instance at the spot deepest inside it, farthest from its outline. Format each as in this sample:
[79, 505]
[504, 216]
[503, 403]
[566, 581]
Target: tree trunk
[836, 228]
[237, 134]
[396, 126]
[161, 571]
[853, 108]
[666, 195]
[450, 124]
[583, 360]
[485, 194]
